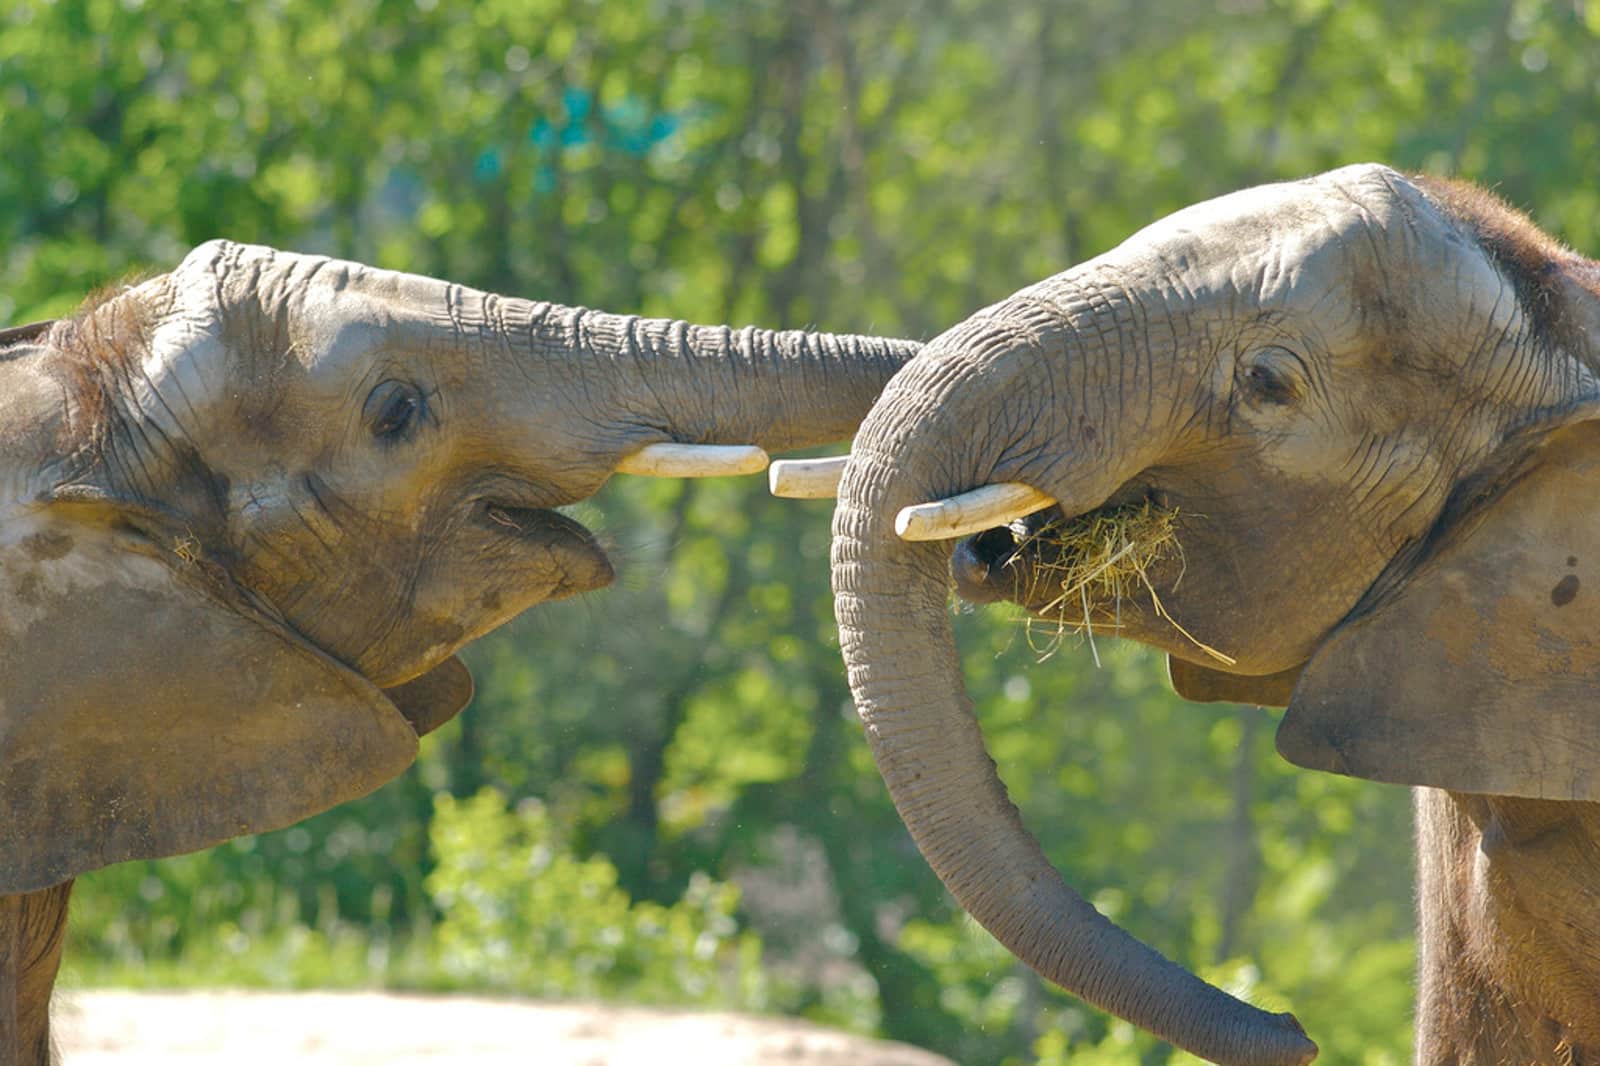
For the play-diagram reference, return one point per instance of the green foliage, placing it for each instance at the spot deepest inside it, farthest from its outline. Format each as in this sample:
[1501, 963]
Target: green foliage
[791, 162]
[520, 913]
[523, 915]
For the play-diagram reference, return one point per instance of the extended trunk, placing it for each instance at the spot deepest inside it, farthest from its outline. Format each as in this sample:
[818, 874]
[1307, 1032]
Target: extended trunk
[929, 438]
[641, 379]
[779, 389]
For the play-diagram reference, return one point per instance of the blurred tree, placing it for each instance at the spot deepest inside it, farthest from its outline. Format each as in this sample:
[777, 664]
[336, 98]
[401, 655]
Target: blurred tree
[826, 162]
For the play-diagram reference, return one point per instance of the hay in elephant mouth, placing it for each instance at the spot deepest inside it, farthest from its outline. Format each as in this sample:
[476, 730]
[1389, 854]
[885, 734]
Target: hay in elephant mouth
[1095, 561]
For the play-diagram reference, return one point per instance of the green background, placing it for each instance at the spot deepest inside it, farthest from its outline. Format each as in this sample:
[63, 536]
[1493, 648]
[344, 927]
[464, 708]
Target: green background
[661, 793]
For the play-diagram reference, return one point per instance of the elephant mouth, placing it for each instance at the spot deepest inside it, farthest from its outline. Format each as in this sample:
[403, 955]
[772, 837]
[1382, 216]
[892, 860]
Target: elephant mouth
[1115, 569]
[1059, 566]
[584, 565]
[991, 566]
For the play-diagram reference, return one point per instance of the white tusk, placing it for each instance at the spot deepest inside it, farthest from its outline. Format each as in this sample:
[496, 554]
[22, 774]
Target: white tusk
[806, 479]
[694, 460]
[971, 512]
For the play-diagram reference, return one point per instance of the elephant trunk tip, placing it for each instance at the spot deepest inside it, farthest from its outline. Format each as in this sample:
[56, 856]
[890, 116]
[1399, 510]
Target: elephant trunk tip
[1290, 1044]
[1167, 1001]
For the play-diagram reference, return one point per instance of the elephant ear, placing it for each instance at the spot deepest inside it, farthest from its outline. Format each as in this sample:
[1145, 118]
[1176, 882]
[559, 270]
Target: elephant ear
[1205, 685]
[148, 709]
[1481, 672]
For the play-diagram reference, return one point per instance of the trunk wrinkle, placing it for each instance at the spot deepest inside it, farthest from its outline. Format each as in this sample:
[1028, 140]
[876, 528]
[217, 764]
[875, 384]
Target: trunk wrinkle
[607, 384]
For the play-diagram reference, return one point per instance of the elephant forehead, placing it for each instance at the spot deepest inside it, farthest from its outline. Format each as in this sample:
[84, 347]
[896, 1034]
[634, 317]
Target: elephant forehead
[240, 330]
[309, 287]
[1231, 230]
[1278, 244]
[332, 314]
[1349, 246]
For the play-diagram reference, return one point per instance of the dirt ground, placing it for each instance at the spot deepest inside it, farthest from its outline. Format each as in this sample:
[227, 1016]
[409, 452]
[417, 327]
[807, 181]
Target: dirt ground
[105, 1028]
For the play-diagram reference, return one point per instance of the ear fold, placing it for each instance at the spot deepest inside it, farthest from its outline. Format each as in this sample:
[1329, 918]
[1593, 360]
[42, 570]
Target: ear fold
[142, 715]
[1205, 685]
[1482, 673]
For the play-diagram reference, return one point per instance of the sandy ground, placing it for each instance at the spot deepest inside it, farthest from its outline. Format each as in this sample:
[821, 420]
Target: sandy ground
[104, 1028]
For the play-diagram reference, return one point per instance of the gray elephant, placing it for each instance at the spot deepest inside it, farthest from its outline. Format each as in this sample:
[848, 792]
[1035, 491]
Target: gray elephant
[250, 509]
[1369, 405]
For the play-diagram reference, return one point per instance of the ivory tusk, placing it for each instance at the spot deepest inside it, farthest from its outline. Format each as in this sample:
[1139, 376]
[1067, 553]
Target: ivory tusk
[694, 460]
[971, 512]
[806, 479]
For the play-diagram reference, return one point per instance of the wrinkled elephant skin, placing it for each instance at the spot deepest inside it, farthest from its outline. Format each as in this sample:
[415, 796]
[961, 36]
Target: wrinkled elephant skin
[1367, 403]
[251, 508]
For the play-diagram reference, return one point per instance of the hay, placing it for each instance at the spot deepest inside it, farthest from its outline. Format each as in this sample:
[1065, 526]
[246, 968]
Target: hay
[187, 548]
[1097, 560]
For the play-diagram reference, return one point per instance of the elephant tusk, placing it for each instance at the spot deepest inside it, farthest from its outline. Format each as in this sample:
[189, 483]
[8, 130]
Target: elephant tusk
[694, 460]
[971, 512]
[806, 479]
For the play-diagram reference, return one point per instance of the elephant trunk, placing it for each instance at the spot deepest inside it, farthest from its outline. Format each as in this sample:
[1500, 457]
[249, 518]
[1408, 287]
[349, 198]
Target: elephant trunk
[658, 379]
[718, 385]
[895, 632]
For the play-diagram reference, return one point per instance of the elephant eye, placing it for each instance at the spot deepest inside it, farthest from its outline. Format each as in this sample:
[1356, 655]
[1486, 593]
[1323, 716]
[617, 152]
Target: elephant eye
[393, 410]
[1272, 376]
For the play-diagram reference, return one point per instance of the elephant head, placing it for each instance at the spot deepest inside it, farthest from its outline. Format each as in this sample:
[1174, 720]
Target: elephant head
[1365, 402]
[250, 509]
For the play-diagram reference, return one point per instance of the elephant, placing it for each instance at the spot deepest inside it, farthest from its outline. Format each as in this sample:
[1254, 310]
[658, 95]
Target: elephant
[251, 508]
[1370, 404]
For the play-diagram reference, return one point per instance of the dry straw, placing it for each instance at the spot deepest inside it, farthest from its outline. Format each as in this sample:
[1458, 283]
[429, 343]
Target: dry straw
[1096, 560]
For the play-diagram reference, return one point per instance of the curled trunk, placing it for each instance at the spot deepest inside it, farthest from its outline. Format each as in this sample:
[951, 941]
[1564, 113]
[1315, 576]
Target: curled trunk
[899, 650]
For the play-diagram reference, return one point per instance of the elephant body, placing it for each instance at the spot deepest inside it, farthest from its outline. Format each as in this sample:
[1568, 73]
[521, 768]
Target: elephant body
[251, 508]
[1370, 405]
